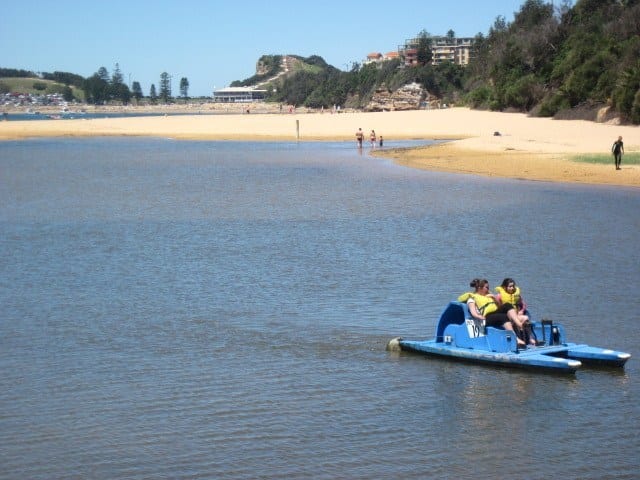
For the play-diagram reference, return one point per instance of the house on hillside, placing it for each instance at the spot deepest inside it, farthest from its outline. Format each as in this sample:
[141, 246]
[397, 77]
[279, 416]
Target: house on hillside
[391, 55]
[375, 57]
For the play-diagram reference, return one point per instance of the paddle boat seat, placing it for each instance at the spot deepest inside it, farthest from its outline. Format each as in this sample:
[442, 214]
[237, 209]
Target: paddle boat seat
[454, 314]
[458, 327]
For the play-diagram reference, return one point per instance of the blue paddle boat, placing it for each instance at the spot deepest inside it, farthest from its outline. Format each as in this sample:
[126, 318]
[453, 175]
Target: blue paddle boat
[459, 336]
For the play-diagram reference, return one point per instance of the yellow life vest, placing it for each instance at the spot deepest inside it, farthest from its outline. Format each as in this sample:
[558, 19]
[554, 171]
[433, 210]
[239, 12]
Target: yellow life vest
[512, 298]
[485, 305]
[464, 297]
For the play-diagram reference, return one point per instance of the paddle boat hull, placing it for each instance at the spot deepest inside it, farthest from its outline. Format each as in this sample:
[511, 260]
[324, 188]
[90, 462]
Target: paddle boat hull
[460, 337]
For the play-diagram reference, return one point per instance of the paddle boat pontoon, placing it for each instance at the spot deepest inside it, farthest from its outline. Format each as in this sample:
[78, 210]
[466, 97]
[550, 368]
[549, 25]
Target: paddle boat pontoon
[461, 337]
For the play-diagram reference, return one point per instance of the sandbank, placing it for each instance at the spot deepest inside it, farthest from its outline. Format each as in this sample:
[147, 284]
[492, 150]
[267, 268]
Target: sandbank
[527, 148]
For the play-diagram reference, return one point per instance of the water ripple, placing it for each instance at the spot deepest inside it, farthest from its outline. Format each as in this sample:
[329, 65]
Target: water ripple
[213, 310]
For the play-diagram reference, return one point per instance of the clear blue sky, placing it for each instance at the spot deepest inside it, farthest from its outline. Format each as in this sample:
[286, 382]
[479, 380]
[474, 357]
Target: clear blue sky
[213, 43]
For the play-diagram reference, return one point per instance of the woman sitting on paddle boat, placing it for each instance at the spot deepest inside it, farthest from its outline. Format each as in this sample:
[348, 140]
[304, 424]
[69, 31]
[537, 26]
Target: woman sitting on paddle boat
[484, 306]
[508, 292]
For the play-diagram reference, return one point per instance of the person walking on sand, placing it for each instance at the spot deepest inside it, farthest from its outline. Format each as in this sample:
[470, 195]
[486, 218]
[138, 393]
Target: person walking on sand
[618, 150]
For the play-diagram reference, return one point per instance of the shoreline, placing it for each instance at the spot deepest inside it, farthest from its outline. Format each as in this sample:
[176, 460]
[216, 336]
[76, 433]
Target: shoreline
[510, 145]
[517, 165]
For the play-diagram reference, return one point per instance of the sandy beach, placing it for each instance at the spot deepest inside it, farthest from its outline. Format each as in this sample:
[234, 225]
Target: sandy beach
[527, 148]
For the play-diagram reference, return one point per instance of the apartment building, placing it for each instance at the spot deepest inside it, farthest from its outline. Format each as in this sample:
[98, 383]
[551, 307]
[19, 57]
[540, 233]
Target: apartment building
[452, 49]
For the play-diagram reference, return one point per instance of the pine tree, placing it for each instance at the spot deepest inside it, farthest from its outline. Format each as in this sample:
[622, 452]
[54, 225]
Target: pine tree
[165, 87]
[184, 87]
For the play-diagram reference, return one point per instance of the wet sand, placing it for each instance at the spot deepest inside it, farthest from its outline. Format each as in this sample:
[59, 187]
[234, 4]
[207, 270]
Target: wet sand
[486, 143]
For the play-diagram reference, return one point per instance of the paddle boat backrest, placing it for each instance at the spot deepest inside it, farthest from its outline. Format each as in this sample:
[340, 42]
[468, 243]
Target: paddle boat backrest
[453, 328]
[455, 313]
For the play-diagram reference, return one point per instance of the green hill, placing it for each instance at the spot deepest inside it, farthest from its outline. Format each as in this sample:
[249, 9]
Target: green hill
[38, 86]
[313, 83]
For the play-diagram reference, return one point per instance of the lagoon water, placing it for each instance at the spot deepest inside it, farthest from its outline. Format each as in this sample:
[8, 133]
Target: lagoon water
[220, 310]
[70, 115]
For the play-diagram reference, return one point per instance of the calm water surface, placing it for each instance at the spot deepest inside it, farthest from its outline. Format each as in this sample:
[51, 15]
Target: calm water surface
[220, 310]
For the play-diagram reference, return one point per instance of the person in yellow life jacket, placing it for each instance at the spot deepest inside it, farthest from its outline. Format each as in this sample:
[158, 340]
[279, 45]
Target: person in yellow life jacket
[509, 292]
[484, 306]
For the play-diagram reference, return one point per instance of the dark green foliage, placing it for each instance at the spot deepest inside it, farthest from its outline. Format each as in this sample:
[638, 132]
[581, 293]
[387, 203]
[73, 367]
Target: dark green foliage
[96, 89]
[314, 60]
[67, 93]
[547, 61]
[367, 79]
[119, 91]
[424, 49]
[117, 77]
[136, 90]
[524, 93]
[553, 104]
[165, 87]
[103, 73]
[100, 88]
[319, 85]
[513, 60]
[65, 78]
[12, 72]
[184, 87]
[479, 97]
[635, 108]
[627, 92]
[328, 86]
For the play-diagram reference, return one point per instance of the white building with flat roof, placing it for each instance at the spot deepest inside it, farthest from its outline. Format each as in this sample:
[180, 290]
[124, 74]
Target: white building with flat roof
[239, 95]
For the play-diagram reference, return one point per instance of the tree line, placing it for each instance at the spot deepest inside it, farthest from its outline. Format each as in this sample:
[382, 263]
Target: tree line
[102, 88]
[329, 86]
[554, 58]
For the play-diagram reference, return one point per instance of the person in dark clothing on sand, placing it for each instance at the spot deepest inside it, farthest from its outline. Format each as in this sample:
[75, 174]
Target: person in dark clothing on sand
[618, 150]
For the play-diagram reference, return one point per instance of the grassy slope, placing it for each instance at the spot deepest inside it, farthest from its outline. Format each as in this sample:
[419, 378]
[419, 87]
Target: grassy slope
[26, 85]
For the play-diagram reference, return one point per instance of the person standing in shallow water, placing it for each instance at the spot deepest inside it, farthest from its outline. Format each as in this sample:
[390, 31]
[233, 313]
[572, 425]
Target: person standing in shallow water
[359, 137]
[618, 150]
